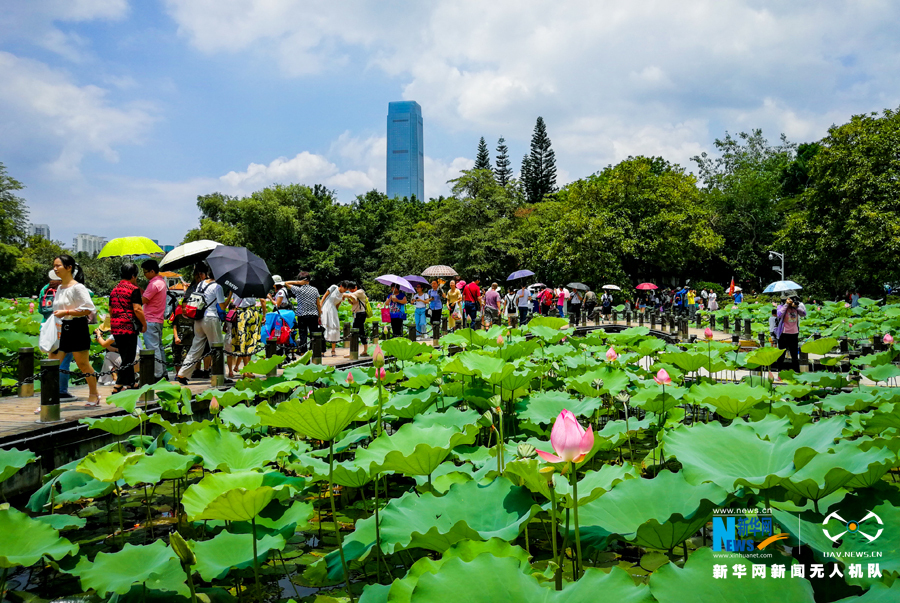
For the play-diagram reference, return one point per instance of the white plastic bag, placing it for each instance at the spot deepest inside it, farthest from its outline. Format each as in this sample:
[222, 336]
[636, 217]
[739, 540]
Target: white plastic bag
[50, 332]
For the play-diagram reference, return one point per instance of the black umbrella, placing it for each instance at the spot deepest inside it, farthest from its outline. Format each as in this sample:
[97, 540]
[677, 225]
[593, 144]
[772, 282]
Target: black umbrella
[241, 271]
[578, 286]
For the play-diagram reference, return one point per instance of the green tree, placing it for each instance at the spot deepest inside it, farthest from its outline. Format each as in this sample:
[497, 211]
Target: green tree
[540, 178]
[483, 158]
[502, 172]
[743, 185]
[845, 232]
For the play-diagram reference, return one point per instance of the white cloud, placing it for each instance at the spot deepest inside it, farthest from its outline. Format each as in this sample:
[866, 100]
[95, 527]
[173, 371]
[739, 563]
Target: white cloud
[438, 173]
[660, 76]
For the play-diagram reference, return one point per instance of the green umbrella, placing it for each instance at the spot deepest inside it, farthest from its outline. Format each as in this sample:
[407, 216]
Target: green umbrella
[129, 246]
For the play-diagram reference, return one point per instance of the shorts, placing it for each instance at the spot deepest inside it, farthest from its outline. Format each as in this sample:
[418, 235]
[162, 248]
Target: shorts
[493, 314]
[75, 336]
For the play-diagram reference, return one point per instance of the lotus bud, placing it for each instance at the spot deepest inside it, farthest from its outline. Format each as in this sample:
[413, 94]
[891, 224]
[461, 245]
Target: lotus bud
[708, 334]
[214, 407]
[378, 357]
[31, 308]
[563, 340]
[611, 354]
[500, 340]
[349, 378]
[381, 374]
[182, 549]
[486, 418]
[662, 377]
[526, 451]
[850, 325]
[887, 339]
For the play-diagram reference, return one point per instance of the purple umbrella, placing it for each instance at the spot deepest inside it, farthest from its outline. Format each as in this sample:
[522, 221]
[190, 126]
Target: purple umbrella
[393, 279]
[520, 274]
[413, 279]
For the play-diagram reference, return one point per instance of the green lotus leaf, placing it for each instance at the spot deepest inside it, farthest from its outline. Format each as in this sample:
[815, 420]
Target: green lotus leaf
[468, 511]
[277, 385]
[12, 459]
[885, 357]
[115, 425]
[656, 399]
[162, 464]
[307, 373]
[217, 557]
[107, 465]
[519, 349]
[793, 390]
[318, 421]
[240, 415]
[820, 474]
[127, 400]
[229, 397]
[849, 547]
[660, 513]
[68, 486]
[62, 522]
[819, 379]
[763, 357]
[527, 473]
[452, 417]
[855, 400]
[227, 451]
[878, 593]
[883, 372]
[234, 496]
[544, 407]
[614, 381]
[262, 366]
[707, 453]
[404, 350]
[729, 399]
[518, 381]
[594, 483]
[649, 347]
[489, 578]
[414, 449]
[669, 584]
[466, 550]
[819, 347]
[689, 362]
[419, 376]
[26, 540]
[352, 473]
[770, 426]
[410, 403]
[179, 430]
[886, 417]
[154, 565]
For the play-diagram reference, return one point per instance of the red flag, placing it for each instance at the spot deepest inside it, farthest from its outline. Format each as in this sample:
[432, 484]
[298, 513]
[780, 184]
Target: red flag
[731, 288]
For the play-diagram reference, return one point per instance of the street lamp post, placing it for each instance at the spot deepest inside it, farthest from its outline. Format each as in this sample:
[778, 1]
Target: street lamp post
[772, 256]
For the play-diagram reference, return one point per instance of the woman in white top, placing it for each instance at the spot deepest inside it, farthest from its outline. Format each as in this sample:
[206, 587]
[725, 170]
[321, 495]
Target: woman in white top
[330, 321]
[208, 328]
[72, 305]
[713, 304]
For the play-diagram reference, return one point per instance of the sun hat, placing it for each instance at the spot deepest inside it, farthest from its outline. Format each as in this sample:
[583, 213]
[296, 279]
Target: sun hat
[460, 284]
[278, 280]
[53, 276]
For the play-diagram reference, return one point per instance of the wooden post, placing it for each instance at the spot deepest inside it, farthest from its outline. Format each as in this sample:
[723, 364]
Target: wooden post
[147, 365]
[271, 349]
[354, 344]
[217, 371]
[318, 346]
[49, 391]
[26, 371]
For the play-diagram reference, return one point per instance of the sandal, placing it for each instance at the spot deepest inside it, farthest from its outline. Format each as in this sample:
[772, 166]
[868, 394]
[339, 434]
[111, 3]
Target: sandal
[93, 403]
[119, 388]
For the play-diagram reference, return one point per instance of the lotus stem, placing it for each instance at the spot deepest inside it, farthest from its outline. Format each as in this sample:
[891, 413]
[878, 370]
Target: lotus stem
[337, 529]
[557, 575]
[574, 480]
[286, 574]
[255, 559]
[3, 582]
[190, 581]
[149, 517]
[119, 508]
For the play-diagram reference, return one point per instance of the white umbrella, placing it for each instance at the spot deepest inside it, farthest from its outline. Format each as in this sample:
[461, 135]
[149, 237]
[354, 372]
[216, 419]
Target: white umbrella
[187, 254]
[612, 287]
[439, 270]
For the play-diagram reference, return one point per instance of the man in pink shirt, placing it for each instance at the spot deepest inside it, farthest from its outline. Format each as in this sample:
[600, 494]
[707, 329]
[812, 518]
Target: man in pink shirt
[154, 298]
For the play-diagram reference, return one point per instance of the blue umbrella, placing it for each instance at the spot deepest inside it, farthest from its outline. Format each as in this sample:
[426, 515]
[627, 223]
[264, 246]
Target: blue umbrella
[413, 279]
[520, 274]
[779, 286]
[393, 279]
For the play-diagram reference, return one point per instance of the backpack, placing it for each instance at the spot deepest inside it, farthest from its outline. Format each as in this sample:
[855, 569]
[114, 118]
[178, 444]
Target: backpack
[195, 306]
[607, 301]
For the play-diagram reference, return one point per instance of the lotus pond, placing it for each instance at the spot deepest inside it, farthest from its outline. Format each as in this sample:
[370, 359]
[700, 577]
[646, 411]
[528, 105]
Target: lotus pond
[532, 465]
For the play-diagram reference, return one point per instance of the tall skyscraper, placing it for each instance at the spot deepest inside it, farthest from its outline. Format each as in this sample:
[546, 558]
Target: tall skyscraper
[41, 230]
[88, 243]
[405, 151]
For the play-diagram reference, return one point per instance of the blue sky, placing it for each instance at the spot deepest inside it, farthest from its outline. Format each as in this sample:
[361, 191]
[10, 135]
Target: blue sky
[116, 114]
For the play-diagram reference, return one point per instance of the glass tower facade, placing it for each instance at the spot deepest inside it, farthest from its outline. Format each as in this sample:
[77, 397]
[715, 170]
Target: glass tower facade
[405, 151]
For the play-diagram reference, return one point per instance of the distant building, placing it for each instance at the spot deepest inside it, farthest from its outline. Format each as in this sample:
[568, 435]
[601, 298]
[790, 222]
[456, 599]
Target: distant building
[166, 248]
[88, 243]
[405, 151]
[39, 230]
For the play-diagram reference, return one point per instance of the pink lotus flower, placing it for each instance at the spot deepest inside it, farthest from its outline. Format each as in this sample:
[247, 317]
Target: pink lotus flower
[846, 305]
[570, 441]
[500, 340]
[377, 357]
[662, 377]
[734, 307]
[381, 374]
[350, 378]
[708, 333]
[31, 308]
[214, 405]
[611, 354]
[887, 339]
